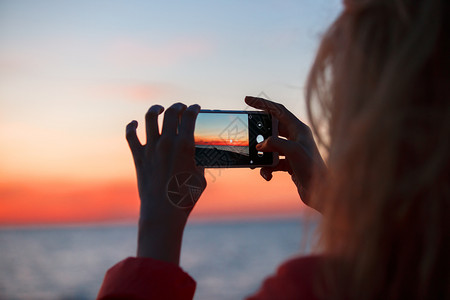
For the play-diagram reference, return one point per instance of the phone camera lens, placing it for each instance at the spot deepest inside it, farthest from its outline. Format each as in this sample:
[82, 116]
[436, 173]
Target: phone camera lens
[259, 124]
[260, 153]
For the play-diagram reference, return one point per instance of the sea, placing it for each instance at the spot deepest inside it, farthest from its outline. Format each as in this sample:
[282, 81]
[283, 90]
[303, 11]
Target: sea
[228, 259]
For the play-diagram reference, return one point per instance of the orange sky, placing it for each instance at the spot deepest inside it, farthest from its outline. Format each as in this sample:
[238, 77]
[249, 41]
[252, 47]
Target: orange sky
[56, 176]
[232, 193]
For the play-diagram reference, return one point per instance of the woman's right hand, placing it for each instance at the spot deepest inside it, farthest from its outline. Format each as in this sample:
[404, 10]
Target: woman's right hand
[302, 158]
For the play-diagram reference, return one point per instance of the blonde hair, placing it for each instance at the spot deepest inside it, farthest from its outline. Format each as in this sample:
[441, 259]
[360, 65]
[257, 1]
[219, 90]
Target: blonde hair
[380, 82]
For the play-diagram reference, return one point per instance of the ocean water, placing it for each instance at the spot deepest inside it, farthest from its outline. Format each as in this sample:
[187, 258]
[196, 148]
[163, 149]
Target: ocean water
[228, 260]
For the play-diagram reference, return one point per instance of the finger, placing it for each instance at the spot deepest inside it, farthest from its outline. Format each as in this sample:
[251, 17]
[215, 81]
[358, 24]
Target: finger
[276, 144]
[275, 109]
[151, 123]
[187, 125]
[132, 138]
[201, 170]
[298, 158]
[289, 123]
[202, 173]
[266, 174]
[283, 165]
[171, 119]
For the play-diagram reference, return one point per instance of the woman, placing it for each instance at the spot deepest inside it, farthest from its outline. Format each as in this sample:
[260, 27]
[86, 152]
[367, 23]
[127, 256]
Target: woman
[381, 82]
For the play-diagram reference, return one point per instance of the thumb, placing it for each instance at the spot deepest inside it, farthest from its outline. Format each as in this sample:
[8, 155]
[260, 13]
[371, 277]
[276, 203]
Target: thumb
[276, 144]
[283, 165]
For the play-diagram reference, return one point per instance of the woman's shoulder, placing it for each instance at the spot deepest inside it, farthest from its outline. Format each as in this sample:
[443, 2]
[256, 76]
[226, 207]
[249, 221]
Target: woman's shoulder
[302, 265]
[297, 278]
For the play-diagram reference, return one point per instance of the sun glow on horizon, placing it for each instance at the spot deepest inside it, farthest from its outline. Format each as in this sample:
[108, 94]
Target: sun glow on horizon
[229, 193]
[220, 142]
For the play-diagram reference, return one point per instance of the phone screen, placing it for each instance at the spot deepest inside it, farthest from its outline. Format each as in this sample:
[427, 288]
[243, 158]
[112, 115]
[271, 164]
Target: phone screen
[227, 139]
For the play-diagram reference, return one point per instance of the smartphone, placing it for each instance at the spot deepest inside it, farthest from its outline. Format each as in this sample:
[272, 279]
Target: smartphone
[227, 138]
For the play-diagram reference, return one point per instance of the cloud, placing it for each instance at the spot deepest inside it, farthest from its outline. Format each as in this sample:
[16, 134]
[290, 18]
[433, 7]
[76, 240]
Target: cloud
[131, 52]
[134, 91]
[16, 64]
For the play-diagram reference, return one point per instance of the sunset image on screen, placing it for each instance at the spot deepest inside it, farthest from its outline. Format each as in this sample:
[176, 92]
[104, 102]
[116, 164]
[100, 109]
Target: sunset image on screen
[222, 131]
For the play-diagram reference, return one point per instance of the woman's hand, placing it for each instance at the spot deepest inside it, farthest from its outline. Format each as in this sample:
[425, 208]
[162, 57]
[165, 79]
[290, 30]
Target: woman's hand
[302, 158]
[169, 182]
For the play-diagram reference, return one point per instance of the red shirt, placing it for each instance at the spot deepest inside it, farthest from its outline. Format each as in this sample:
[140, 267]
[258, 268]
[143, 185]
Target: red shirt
[147, 278]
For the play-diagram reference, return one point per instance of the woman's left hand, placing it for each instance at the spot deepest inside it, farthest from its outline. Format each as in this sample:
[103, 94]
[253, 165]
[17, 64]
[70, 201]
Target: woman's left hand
[169, 182]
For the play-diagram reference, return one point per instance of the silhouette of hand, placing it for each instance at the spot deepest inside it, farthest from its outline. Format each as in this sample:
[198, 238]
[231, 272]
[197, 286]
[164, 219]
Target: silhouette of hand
[169, 182]
[302, 158]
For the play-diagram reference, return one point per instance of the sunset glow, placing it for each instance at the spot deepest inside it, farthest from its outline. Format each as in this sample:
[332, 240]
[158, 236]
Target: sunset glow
[220, 142]
[73, 74]
[234, 193]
